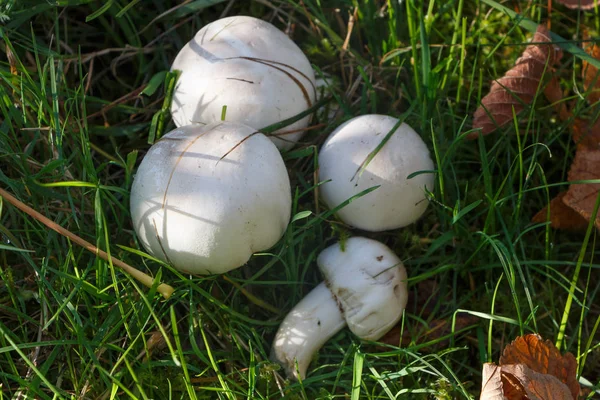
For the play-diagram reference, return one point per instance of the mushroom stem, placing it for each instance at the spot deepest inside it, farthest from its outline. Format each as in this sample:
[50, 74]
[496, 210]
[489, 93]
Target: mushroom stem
[314, 320]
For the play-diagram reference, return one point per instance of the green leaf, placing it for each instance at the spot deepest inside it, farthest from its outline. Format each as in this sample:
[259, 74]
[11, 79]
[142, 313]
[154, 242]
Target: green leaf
[301, 215]
[99, 11]
[154, 83]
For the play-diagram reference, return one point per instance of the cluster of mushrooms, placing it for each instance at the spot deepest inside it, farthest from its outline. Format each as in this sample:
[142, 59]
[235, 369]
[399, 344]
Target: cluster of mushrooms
[212, 192]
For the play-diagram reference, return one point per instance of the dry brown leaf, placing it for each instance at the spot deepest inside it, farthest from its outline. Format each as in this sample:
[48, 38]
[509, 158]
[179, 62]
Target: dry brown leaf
[491, 382]
[586, 134]
[580, 4]
[591, 78]
[561, 215]
[581, 197]
[543, 357]
[519, 85]
[519, 382]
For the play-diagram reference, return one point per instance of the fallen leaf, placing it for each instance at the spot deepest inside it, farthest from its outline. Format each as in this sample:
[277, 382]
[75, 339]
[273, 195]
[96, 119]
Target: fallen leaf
[519, 382]
[591, 78]
[491, 382]
[519, 86]
[580, 4]
[544, 358]
[581, 197]
[561, 215]
[586, 134]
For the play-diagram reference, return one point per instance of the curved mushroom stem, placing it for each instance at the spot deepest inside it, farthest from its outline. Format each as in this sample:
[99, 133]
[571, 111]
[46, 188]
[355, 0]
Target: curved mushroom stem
[305, 329]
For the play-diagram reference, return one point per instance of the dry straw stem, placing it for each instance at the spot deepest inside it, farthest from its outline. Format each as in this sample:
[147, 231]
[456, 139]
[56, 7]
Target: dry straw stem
[146, 280]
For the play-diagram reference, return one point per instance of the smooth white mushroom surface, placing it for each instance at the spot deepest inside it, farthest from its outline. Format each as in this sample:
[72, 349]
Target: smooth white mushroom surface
[206, 197]
[398, 201]
[249, 66]
[365, 287]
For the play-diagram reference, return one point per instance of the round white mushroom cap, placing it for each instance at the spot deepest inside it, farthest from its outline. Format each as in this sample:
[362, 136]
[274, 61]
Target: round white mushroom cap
[365, 287]
[369, 283]
[398, 201]
[249, 66]
[206, 197]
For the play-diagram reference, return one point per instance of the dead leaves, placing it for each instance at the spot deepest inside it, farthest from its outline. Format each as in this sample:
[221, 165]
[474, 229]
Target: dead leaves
[581, 197]
[518, 87]
[591, 82]
[573, 209]
[580, 4]
[531, 369]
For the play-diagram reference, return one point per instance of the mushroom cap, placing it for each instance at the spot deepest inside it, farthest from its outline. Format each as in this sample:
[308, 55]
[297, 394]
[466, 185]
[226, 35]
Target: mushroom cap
[369, 282]
[249, 66]
[206, 197]
[398, 201]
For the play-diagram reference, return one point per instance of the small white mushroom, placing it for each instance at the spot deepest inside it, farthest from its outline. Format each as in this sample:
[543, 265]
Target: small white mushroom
[398, 201]
[206, 197]
[249, 66]
[364, 287]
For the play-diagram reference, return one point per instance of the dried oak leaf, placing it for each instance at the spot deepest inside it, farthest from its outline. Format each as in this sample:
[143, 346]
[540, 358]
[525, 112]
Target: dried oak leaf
[519, 85]
[561, 215]
[580, 4]
[581, 197]
[591, 78]
[543, 357]
[519, 382]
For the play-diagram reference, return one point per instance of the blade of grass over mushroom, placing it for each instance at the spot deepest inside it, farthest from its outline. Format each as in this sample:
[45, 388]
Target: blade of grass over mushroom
[267, 130]
[361, 168]
[163, 288]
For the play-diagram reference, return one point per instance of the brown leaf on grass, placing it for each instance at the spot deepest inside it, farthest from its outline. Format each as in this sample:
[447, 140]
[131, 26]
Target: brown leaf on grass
[580, 4]
[581, 197]
[519, 382]
[491, 382]
[544, 358]
[561, 215]
[586, 134]
[591, 78]
[519, 85]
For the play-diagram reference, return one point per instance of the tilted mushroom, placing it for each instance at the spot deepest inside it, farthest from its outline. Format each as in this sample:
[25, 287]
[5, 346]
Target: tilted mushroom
[249, 66]
[398, 201]
[206, 197]
[364, 287]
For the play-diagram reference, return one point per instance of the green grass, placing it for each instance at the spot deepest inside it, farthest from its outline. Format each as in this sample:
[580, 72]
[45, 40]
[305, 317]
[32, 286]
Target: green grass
[90, 91]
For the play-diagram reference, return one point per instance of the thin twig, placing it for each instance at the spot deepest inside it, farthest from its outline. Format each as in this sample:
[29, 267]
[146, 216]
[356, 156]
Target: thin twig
[145, 279]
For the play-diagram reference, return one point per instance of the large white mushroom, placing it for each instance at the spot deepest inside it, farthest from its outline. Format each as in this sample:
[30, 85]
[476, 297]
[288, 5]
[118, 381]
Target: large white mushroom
[206, 197]
[364, 287]
[398, 201]
[249, 66]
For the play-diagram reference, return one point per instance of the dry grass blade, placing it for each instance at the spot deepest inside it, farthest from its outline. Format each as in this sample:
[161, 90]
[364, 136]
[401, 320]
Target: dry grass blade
[580, 4]
[145, 279]
[519, 86]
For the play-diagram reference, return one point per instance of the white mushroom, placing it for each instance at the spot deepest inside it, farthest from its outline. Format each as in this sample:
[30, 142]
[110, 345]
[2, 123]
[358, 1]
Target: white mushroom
[398, 201]
[206, 197]
[249, 66]
[364, 287]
